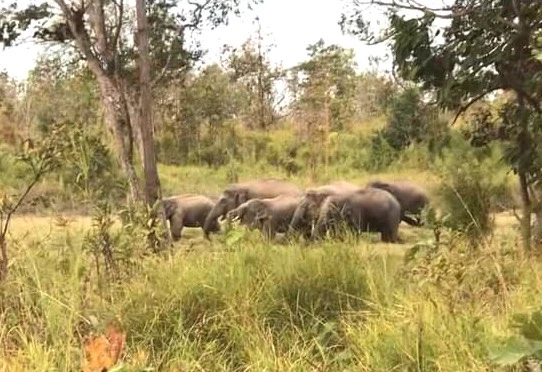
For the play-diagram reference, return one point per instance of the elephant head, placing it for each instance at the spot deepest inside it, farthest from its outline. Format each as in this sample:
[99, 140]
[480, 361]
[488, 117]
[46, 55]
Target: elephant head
[307, 211]
[230, 199]
[252, 213]
[412, 198]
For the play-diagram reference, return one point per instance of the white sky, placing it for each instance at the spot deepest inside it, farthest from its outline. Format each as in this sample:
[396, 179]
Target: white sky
[290, 25]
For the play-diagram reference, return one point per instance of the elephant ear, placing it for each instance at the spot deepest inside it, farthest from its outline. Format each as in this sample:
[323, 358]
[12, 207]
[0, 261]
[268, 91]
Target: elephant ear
[379, 184]
[260, 211]
[316, 197]
[241, 196]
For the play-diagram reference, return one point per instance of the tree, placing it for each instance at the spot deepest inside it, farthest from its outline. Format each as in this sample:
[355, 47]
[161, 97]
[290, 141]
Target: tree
[373, 93]
[193, 116]
[327, 79]
[8, 103]
[152, 182]
[486, 46]
[251, 69]
[100, 32]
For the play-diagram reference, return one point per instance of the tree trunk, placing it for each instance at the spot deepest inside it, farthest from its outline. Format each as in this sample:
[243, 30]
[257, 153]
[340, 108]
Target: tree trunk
[526, 213]
[523, 143]
[144, 119]
[117, 119]
[152, 182]
[4, 260]
[536, 208]
[133, 110]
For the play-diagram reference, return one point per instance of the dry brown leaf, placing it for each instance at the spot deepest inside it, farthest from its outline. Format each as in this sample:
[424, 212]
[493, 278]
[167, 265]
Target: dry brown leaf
[103, 352]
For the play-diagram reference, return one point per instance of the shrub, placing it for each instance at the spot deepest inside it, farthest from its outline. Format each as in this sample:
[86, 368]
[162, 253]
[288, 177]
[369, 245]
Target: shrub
[469, 185]
[381, 154]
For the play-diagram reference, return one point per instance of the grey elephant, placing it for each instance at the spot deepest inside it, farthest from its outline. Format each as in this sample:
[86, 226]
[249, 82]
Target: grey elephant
[236, 194]
[307, 211]
[269, 215]
[365, 210]
[189, 210]
[412, 198]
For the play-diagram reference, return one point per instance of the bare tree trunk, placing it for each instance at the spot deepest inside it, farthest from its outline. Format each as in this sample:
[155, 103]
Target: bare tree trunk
[152, 180]
[4, 259]
[522, 141]
[536, 208]
[117, 119]
[526, 232]
[133, 109]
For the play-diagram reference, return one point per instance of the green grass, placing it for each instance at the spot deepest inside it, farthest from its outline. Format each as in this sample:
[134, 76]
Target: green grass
[238, 303]
[246, 304]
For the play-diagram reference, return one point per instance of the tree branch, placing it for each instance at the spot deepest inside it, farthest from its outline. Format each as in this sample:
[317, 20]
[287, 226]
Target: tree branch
[81, 36]
[97, 21]
[120, 6]
[464, 108]
[413, 5]
[196, 20]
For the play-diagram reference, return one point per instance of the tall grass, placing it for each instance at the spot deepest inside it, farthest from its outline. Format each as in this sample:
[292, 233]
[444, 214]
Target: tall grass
[253, 305]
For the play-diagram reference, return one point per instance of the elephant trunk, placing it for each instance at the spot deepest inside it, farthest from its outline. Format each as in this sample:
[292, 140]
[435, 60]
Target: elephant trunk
[211, 219]
[298, 223]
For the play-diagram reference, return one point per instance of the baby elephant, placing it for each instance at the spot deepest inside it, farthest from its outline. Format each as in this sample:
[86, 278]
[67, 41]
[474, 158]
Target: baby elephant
[189, 210]
[269, 215]
[368, 209]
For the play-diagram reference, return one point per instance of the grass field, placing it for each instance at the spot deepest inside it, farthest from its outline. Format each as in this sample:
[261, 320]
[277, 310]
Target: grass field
[336, 306]
[239, 303]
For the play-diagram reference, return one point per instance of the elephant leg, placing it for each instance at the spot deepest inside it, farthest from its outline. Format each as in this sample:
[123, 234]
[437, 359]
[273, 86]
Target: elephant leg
[213, 228]
[389, 235]
[176, 224]
[176, 233]
[269, 233]
[272, 227]
[320, 229]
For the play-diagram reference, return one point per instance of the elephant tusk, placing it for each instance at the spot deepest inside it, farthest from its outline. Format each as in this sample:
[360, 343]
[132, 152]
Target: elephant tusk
[235, 219]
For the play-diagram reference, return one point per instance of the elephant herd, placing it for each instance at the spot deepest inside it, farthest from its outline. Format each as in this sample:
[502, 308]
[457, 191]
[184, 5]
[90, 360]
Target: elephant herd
[278, 206]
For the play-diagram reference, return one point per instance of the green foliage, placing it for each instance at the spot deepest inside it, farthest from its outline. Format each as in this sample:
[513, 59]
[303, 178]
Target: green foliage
[411, 121]
[251, 70]
[526, 346]
[170, 30]
[407, 122]
[471, 187]
[373, 95]
[327, 81]
[88, 169]
[196, 117]
[382, 154]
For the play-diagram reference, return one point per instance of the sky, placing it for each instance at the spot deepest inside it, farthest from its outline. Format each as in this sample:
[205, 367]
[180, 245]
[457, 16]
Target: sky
[290, 25]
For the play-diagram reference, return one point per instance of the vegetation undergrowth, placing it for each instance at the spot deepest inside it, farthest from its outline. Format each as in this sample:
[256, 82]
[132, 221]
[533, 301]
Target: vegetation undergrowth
[239, 303]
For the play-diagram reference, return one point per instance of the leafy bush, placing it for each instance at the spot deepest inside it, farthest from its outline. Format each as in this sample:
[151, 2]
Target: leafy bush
[525, 346]
[381, 154]
[469, 185]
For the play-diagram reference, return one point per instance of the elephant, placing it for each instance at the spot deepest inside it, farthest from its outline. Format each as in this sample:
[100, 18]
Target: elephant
[189, 210]
[269, 215]
[412, 198]
[236, 194]
[308, 209]
[365, 210]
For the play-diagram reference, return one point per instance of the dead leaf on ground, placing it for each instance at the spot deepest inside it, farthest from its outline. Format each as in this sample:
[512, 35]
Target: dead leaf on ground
[103, 352]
